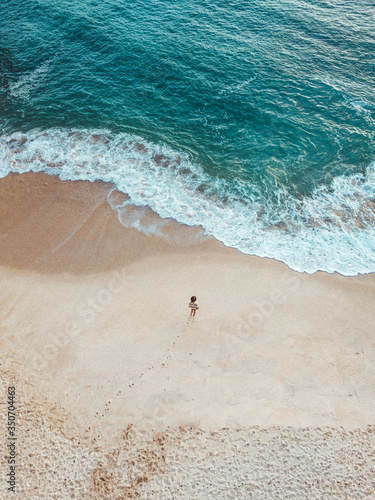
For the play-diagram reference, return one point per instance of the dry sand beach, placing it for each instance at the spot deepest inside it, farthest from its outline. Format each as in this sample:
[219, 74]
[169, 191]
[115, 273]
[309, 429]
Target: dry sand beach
[269, 393]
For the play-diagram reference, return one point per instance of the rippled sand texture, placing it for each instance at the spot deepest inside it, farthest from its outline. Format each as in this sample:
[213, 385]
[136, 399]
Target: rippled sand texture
[185, 462]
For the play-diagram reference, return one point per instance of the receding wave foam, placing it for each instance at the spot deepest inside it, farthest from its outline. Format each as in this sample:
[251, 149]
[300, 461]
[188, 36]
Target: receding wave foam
[29, 82]
[332, 230]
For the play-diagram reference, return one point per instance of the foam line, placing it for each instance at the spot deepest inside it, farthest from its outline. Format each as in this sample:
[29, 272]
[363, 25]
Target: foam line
[331, 230]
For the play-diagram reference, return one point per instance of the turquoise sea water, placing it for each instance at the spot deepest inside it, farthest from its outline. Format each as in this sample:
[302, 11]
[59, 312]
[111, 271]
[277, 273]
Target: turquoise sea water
[255, 120]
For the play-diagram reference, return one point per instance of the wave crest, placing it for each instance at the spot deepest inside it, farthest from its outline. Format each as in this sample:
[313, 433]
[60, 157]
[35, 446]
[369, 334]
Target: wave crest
[331, 230]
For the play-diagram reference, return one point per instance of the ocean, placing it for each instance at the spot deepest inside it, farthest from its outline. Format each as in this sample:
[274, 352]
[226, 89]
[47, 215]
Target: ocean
[254, 120]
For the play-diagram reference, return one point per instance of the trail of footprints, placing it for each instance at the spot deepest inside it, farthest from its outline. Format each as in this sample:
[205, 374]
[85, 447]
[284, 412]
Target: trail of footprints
[148, 369]
[167, 355]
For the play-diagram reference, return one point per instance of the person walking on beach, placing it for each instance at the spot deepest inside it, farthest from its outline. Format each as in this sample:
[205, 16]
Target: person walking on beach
[193, 306]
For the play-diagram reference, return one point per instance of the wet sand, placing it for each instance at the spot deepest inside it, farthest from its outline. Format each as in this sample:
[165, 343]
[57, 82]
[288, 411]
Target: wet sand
[269, 392]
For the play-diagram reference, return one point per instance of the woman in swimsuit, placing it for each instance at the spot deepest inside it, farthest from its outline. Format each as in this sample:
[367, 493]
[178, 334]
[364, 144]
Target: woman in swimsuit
[193, 306]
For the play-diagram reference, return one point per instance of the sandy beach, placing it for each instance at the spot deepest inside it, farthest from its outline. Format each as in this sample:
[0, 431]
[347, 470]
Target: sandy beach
[268, 393]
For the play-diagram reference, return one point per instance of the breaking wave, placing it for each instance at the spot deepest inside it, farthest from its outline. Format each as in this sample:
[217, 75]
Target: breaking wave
[330, 230]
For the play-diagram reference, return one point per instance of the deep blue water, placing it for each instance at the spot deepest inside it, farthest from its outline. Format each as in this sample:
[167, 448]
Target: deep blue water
[255, 120]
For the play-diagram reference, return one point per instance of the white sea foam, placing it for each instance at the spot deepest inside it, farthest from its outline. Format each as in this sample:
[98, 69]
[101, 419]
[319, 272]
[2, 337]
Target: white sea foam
[29, 82]
[332, 230]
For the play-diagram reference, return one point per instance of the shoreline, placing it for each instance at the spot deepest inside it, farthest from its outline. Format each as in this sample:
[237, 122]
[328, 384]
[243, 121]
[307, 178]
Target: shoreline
[98, 315]
[322, 231]
[167, 235]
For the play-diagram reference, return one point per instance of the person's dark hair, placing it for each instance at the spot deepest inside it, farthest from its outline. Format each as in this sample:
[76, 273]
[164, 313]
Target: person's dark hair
[193, 298]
